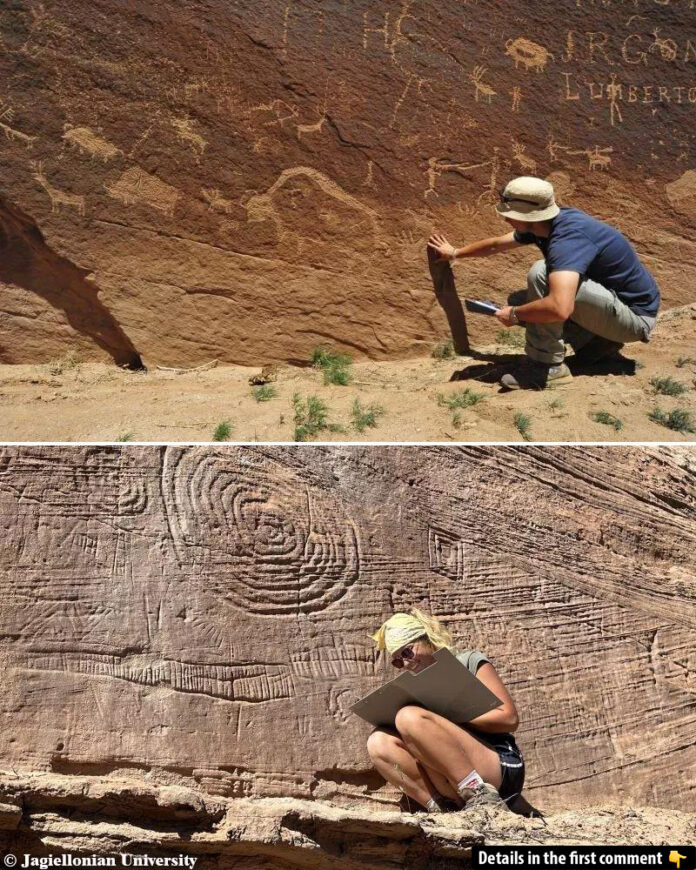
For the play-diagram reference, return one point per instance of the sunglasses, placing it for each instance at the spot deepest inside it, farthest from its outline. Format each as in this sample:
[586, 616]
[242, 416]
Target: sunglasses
[504, 197]
[407, 653]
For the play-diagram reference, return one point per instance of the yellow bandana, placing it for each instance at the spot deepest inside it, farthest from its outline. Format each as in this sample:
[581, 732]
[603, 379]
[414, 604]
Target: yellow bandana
[403, 628]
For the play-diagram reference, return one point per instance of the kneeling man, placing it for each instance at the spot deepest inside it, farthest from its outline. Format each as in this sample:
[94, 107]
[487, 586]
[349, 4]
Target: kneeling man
[590, 289]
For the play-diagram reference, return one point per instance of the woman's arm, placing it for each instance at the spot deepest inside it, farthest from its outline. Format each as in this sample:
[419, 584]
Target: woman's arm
[503, 718]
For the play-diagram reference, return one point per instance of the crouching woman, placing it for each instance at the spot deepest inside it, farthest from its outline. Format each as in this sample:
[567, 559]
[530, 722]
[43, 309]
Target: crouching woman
[441, 764]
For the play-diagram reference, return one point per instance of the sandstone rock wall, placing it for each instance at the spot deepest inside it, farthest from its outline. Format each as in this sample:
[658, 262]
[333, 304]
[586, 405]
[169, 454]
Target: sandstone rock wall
[203, 613]
[246, 180]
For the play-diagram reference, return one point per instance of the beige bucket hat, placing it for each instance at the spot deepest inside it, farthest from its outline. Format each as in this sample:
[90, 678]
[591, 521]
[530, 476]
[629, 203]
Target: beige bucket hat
[528, 199]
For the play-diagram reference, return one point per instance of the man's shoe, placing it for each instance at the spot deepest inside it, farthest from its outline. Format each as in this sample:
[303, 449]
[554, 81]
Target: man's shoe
[596, 350]
[533, 375]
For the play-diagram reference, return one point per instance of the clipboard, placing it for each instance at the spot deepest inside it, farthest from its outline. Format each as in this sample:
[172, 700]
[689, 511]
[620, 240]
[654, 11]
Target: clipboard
[446, 687]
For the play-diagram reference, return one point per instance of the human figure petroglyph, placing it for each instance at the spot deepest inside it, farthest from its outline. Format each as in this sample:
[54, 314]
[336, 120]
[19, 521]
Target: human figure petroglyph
[215, 200]
[476, 76]
[530, 54]
[6, 116]
[554, 147]
[598, 158]
[614, 92]
[57, 197]
[516, 94]
[86, 141]
[186, 133]
[527, 164]
[260, 206]
[137, 186]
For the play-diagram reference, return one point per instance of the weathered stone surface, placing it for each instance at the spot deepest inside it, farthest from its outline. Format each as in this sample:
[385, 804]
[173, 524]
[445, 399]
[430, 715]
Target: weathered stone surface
[242, 181]
[203, 613]
[280, 833]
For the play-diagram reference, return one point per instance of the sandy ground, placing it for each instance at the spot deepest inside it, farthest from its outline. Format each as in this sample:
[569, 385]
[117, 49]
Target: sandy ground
[72, 401]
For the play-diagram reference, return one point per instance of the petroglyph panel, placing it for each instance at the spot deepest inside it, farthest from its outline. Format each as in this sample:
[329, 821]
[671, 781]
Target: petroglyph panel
[267, 542]
[294, 139]
[212, 614]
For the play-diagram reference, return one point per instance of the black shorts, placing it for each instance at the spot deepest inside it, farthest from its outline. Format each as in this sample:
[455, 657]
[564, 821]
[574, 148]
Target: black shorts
[511, 766]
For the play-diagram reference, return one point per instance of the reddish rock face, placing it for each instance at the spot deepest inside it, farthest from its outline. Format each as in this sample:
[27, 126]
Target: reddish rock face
[244, 181]
[206, 612]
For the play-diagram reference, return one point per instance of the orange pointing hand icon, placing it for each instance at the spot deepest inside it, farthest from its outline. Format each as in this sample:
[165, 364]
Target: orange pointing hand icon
[675, 857]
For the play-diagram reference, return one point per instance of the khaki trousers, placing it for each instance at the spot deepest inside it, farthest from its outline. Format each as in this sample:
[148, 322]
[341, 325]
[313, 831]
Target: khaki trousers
[598, 311]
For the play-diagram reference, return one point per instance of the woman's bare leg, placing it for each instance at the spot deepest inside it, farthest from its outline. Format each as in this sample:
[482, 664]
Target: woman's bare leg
[396, 764]
[446, 748]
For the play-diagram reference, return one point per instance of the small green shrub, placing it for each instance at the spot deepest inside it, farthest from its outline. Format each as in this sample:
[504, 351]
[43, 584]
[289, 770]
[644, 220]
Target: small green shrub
[461, 399]
[264, 393]
[679, 419]
[556, 403]
[667, 386]
[512, 337]
[364, 418]
[222, 431]
[126, 436]
[522, 424]
[311, 417]
[608, 419]
[335, 366]
[444, 350]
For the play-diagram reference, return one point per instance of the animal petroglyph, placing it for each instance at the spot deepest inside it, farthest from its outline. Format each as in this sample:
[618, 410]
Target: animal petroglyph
[476, 76]
[265, 542]
[137, 186]
[318, 126]
[260, 206]
[682, 192]
[57, 197]
[598, 157]
[281, 111]
[216, 201]
[527, 164]
[529, 54]
[186, 133]
[6, 116]
[87, 142]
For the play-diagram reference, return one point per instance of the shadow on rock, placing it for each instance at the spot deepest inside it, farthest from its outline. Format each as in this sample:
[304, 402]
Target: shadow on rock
[28, 262]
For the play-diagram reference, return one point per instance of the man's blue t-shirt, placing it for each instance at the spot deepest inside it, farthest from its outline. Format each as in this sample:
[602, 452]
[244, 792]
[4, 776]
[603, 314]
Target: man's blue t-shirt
[580, 243]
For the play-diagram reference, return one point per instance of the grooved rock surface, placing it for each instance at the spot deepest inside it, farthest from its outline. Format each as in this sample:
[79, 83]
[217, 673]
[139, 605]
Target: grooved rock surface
[243, 181]
[203, 613]
[51, 814]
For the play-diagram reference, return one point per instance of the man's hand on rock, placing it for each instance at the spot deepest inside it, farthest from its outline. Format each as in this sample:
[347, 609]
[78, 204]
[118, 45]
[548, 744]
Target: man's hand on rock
[445, 251]
[505, 316]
